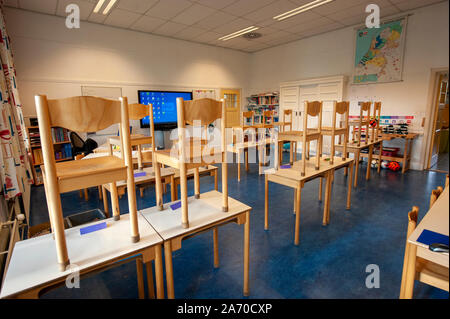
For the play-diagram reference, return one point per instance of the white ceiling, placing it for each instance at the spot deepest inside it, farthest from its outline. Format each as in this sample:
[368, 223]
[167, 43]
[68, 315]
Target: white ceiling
[205, 21]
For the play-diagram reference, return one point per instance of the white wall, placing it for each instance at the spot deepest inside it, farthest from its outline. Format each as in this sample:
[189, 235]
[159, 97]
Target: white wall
[427, 47]
[53, 60]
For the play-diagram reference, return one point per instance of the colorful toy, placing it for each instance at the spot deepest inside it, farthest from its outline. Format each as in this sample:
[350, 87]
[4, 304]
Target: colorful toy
[394, 166]
[373, 123]
[384, 164]
[374, 163]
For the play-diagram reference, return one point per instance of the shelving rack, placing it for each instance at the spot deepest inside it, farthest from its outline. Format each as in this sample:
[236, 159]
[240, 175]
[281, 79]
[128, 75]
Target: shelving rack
[61, 145]
[258, 103]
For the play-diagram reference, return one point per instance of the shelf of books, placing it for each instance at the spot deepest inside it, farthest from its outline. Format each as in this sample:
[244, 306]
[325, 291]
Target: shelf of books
[61, 146]
[259, 103]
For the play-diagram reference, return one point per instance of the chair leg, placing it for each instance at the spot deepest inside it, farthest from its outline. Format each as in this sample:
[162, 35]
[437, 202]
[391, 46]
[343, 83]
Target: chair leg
[114, 201]
[158, 184]
[197, 183]
[86, 195]
[100, 195]
[105, 201]
[216, 247]
[184, 199]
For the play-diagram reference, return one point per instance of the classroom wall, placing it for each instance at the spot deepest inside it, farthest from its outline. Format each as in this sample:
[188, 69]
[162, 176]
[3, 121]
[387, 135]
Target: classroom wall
[53, 60]
[427, 47]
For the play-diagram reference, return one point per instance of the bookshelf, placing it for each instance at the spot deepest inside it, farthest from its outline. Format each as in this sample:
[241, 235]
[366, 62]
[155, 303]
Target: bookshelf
[61, 146]
[258, 103]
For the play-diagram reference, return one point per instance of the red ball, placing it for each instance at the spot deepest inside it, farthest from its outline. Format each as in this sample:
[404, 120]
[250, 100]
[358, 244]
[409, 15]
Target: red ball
[394, 166]
[373, 123]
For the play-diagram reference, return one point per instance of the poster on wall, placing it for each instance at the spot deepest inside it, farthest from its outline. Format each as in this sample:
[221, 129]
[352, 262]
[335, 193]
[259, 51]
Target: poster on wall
[379, 53]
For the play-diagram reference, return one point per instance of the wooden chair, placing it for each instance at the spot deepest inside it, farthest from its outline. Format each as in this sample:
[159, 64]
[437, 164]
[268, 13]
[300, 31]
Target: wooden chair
[312, 109]
[249, 115]
[435, 193]
[83, 114]
[268, 119]
[282, 128]
[342, 108]
[364, 120]
[189, 153]
[425, 271]
[286, 113]
[375, 130]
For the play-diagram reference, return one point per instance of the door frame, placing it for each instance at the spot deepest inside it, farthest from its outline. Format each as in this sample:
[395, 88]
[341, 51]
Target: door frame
[431, 114]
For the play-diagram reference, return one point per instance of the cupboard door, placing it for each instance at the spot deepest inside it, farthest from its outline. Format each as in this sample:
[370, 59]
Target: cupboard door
[233, 106]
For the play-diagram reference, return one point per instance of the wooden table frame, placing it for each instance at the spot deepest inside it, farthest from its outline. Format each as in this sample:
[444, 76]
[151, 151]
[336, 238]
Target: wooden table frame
[406, 158]
[356, 150]
[211, 170]
[239, 213]
[142, 255]
[435, 220]
[297, 182]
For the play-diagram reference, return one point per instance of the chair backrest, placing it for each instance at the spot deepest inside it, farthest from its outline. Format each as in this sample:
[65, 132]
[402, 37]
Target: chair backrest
[343, 109]
[313, 109]
[435, 193]
[202, 111]
[377, 117]
[412, 221]
[80, 114]
[287, 113]
[268, 117]
[248, 115]
[139, 111]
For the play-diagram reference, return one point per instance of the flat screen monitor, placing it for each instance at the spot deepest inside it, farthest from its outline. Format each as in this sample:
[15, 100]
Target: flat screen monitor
[164, 108]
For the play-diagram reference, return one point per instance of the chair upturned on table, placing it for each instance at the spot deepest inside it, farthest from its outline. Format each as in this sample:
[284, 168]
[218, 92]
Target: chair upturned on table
[83, 114]
[312, 109]
[192, 153]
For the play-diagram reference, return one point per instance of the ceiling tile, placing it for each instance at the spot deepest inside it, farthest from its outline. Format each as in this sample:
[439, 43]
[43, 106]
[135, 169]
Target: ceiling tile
[271, 10]
[216, 4]
[168, 9]
[97, 17]
[207, 37]
[412, 4]
[313, 24]
[137, 6]
[12, 3]
[147, 24]
[169, 29]
[193, 14]
[44, 6]
[190, 33]
[233, 26]
[243, 7]
[122, 18]
[85, 8]
[215, 20]
[296, 20]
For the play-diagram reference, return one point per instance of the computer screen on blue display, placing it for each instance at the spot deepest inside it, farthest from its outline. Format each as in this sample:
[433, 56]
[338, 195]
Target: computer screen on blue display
[164, 108]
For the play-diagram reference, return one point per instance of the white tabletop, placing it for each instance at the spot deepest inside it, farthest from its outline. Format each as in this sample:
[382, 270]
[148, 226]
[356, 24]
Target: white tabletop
[34, 263]
[436, 220]
[202, 212]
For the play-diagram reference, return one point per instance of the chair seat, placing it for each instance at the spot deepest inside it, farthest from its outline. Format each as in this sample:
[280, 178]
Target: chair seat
[312, 134]
[432, 274]
[356, 123]
[74, 175]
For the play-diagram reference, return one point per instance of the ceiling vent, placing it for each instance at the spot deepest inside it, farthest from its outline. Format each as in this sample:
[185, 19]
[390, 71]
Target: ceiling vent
[252, 35]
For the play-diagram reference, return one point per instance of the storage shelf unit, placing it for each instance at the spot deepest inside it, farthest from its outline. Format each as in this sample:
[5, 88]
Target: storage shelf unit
[61, 145]
[259, 103]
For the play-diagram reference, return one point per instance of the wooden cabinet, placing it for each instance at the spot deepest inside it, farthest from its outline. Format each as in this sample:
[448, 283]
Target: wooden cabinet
[294, 94]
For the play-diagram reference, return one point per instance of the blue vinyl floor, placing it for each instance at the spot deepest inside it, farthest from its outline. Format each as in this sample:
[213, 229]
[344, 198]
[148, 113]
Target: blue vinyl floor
[330, 261]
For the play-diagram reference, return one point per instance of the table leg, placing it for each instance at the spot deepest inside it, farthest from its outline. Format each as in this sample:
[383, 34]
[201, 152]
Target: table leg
[169, 269]
[327, 199]
[172, 189]
[380, 156]
[86, 194]
[329, 196]
[320, 188]
[369, 163]
[291, 152]
[140, 278]
[239, 165]
[105, 201]
[215, 180]
[297, 215]
[357, 154]
[150, 283]
[159, 272]
[349, 187]
[410, 272]
[405, 156]
[216, 247]
[246, 254]
[246, 160]
[100, 195]
[266, 202]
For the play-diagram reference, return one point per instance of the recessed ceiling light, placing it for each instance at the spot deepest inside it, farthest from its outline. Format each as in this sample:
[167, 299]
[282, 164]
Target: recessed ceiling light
[109, 6]
[98, 6]
[301, 9]
[238, 33]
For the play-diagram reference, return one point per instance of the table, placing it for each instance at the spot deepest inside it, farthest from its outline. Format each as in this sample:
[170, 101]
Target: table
[210, 170]
[206, 214]
[135, 140]
[405, 159]
[435, 220]
[243, 147]
[292, 177]
[33, 266]
[355, 149]
[167, 175]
